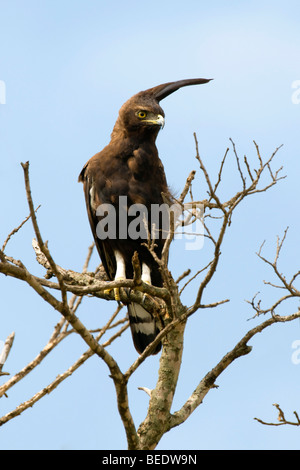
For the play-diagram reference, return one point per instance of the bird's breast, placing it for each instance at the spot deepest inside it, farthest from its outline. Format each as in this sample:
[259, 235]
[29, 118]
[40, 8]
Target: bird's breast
[136, 173]
[142, 164]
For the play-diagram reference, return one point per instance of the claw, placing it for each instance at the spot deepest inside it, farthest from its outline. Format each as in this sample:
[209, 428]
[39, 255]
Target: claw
[116, 290]
[117, 294]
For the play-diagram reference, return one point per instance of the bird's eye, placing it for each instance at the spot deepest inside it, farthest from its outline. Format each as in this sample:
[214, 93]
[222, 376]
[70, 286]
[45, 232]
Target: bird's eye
[141, 114]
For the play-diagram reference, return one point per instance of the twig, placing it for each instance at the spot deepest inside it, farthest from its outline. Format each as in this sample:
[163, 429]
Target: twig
[5, 352]
[285, 284]
[187, 186]
[248, 168]
[15, 230]
[183, 275]
[281, 418]
[212, 193]
[238, 165]
[194, 277]
[42, 245]
[221, 170]
[145, 389]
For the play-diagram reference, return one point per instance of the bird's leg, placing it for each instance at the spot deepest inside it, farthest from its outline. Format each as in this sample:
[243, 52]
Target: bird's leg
[120, 273]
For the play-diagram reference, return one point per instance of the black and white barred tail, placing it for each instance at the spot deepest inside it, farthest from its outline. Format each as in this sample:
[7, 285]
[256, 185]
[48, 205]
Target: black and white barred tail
[143, 327]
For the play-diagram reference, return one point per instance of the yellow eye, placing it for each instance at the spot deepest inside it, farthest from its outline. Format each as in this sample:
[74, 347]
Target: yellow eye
[141, 114]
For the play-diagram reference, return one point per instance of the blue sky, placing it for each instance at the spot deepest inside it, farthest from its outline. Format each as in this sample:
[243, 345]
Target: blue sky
[68, 67]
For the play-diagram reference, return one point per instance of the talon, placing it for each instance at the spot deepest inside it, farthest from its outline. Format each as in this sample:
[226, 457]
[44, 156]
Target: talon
[117, 294]
[117, 290]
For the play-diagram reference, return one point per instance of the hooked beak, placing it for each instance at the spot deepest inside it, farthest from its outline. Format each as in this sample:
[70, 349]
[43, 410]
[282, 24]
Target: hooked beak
[160, 121]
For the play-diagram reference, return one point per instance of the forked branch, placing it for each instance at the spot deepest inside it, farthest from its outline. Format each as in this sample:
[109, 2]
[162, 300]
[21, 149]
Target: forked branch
[173, 314]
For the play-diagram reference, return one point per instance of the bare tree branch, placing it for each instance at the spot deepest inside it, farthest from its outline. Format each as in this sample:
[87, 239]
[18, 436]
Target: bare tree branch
[164, 303]
[281, 418]
[15, 230]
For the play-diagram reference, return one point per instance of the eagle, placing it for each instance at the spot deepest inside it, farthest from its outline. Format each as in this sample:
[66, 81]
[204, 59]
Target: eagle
[128, 174]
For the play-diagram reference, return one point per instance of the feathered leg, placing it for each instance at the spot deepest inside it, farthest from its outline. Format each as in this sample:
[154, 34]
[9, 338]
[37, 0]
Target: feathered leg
[120, 273]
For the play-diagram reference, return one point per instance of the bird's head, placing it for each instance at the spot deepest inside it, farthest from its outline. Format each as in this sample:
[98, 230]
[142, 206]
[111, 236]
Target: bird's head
[143, 113]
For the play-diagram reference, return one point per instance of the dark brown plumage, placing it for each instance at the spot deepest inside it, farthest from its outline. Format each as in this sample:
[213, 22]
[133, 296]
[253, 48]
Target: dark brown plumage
[130, 166]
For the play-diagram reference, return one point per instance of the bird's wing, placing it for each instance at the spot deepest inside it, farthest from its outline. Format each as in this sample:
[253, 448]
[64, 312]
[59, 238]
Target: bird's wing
[93, 200]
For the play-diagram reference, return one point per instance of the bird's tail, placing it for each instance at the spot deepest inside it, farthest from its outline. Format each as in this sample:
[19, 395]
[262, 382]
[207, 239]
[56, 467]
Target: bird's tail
[143, 327]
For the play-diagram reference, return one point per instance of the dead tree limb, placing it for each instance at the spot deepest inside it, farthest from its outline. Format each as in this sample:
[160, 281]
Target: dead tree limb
[165, 302]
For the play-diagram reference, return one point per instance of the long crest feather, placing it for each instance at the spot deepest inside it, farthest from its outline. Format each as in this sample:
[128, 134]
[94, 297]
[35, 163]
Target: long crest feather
[162, 91]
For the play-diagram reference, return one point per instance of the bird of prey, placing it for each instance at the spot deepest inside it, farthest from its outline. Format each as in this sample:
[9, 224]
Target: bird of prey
[127, 173]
